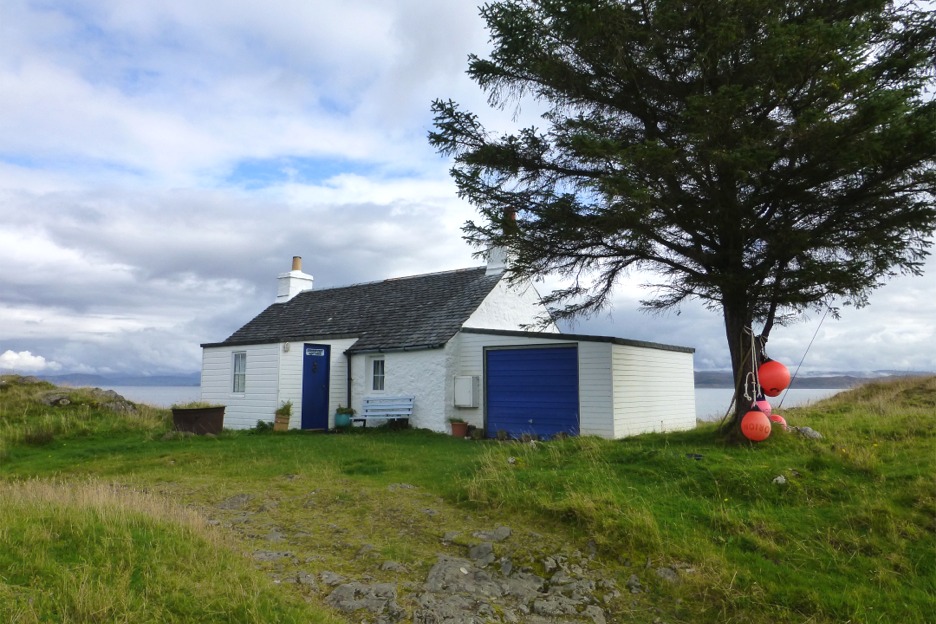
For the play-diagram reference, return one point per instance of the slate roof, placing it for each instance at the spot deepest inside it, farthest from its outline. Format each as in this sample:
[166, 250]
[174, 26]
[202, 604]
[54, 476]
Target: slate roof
[422, 311]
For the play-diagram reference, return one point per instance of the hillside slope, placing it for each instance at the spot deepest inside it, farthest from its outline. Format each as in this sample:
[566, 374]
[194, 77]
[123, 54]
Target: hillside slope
[675, 527]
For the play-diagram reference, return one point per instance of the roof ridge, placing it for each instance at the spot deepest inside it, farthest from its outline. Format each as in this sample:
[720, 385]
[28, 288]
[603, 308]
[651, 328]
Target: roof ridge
[425, 309]
[395, 279]
[404, 277]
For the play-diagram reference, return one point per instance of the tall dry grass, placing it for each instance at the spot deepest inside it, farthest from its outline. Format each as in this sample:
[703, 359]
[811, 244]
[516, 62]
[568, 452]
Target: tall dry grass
[89, 552]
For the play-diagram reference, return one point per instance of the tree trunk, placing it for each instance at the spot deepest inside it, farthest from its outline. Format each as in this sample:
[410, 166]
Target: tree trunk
[738, 323]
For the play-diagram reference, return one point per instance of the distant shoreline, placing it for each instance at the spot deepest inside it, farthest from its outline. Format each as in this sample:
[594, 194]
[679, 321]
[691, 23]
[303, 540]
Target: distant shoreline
[191, 379]
[722, 379]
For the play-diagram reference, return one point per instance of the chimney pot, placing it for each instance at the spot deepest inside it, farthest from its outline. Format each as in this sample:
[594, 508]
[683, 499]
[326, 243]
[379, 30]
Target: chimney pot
[291, 284]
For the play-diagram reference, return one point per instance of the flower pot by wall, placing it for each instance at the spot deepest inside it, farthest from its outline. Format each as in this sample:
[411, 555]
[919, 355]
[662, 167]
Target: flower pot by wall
[198, 420]
[342, 420]
[459, 429]
[281, 422]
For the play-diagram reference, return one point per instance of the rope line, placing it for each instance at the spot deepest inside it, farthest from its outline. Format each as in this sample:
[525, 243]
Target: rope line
[796, 372]
[751, 379]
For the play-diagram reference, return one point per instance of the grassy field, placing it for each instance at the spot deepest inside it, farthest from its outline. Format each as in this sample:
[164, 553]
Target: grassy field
[105, 518]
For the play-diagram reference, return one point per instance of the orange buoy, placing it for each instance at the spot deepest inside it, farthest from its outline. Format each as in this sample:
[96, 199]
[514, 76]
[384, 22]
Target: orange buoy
[774, 377]
[777, 418]
[755, 425]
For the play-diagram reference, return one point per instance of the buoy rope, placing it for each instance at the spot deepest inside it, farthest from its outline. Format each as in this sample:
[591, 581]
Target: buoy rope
[751, 381]
[796, 372]
[750, 377]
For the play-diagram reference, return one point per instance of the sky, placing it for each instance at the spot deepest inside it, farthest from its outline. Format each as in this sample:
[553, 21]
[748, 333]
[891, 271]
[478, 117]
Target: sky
[161, 163]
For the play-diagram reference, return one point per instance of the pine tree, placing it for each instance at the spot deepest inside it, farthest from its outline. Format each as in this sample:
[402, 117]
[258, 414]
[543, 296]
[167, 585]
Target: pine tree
[763, 156]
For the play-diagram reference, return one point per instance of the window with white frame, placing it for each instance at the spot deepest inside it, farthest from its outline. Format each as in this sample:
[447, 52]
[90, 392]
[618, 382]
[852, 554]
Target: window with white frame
[239, 376]
[377, 374]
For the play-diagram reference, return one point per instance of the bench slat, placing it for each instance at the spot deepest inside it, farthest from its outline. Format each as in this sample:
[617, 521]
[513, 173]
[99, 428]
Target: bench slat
[385, 408]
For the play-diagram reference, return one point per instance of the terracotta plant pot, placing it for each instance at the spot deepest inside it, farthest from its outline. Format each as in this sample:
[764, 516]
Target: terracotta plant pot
[198, 420]
[459, 429]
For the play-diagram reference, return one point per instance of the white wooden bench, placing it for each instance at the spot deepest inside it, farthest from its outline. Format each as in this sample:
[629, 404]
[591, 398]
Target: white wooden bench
[385, 408]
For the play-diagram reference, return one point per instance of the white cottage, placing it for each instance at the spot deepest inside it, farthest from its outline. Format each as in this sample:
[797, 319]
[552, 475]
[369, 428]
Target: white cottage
[452, 345]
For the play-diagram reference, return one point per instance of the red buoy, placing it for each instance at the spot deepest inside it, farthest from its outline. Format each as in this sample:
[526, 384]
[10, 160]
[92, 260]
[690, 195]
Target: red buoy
[774, 377]
[777, 418]
[755, 425]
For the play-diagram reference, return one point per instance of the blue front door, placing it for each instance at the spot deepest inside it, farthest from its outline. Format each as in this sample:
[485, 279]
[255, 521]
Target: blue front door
[315, 364]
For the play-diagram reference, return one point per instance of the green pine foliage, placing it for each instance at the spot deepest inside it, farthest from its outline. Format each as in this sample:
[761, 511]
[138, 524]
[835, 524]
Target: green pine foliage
[762, 156]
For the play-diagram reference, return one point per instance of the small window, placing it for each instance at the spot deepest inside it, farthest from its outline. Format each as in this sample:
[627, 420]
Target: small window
[240, 372]
[377, 374]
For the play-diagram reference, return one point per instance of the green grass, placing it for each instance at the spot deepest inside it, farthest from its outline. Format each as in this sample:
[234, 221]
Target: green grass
[92, 552]
[850, 536]
[25, 418]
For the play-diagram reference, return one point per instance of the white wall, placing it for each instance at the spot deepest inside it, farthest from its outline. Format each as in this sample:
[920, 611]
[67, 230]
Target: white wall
[596, 402]
[623, 390]
[260, 399]
[274, 375]
[422, 374]
[509, 307]
[654, 390]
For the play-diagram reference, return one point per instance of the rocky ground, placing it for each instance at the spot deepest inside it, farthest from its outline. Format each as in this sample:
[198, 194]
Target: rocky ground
[96, 397]
[397, 553]
[484, 574]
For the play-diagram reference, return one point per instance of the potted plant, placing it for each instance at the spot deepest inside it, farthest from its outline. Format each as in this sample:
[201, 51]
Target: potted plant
[282, 414]
[343, 417]
[198, 417]
[459, 427]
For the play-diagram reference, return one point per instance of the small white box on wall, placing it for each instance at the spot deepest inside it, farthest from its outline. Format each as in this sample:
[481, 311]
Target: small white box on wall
[467, 391]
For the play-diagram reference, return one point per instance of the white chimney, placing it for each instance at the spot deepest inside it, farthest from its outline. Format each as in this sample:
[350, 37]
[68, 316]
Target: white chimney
[497, 260]
[291, 284]
[497, 257]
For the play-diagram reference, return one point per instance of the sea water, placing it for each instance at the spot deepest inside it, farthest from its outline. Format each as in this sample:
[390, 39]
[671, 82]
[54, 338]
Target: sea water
[711, 403]
[159, 396]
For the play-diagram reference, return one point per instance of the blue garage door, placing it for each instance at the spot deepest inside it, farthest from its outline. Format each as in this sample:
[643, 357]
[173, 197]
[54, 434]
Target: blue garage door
[532, 391]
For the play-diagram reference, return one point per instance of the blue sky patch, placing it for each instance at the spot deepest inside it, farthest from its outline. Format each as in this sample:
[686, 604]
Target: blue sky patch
[256, 173]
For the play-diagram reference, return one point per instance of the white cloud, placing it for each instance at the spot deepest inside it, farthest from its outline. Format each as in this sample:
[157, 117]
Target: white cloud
[25, 362]
[133, 230]
[179, 92]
